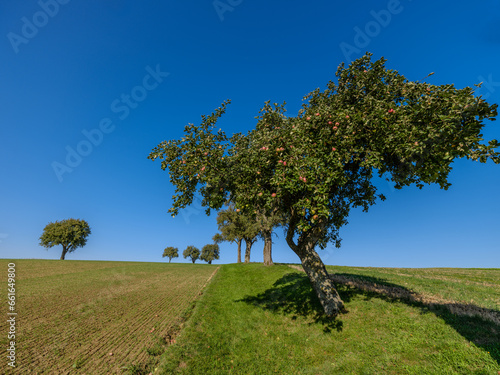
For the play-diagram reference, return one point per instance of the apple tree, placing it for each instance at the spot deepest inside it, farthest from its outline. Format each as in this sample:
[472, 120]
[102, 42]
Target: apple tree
[234, 226]
[191, 252]
[209, 252]
[69, 233]
[171, 252]
[226, 235]
[313, 168]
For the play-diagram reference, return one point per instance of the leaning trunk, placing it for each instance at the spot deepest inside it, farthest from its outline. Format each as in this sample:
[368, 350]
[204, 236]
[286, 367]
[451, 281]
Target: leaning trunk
[63, 255]
[239, 250]
[247, 251]
[321, 281]
[316, 271]
[268, 247]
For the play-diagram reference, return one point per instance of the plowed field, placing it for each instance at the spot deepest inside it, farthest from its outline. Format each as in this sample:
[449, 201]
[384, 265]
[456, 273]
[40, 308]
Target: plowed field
[83, 317]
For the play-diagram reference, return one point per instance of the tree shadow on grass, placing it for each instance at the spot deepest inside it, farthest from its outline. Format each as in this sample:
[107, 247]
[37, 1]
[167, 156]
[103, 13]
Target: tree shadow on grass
[293, 295]
[476, 324]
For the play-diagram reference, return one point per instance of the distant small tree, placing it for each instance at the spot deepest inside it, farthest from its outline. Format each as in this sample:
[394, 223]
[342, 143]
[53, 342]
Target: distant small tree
[209, 253]
[171, 252]
[191, 252]
[69, 233]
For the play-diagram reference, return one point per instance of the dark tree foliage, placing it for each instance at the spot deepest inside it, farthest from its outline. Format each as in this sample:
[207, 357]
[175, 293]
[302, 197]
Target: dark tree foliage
[69, 233]
[191, 252]
[171, 252]
[234, 226]
[209, 253]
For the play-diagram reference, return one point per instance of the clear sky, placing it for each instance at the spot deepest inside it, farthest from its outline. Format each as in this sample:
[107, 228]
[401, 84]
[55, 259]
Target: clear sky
[88, 88]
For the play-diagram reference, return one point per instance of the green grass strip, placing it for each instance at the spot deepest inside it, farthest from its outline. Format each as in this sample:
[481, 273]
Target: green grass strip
[254, 319]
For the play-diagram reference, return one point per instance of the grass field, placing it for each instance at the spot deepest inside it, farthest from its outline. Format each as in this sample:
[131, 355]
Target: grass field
[479, 287]
[82, 317]
[257, 320]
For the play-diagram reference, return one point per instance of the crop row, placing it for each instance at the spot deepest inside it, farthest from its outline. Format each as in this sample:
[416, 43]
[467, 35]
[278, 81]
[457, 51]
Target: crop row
[99, 320]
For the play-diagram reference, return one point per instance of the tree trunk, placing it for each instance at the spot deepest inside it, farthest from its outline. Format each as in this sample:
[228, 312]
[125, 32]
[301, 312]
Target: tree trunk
[321, 282]
[209, 262]
[316, 271]
[239, 250]
[63, 255]
[169, 259]
[193, 260]
[247, 250]
[268, 248]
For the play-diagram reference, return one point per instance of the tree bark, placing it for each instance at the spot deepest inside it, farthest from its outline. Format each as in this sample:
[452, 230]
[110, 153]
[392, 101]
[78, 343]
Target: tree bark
[316, 271]
[321, 282]
[65, 250]
[239, 250]
[268, 248]
[247, 250]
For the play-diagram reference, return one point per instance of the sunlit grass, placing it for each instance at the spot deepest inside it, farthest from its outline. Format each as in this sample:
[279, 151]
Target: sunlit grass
[264, 320]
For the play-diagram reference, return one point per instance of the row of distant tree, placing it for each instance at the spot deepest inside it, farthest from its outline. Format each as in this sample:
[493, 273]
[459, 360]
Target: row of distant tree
[208, 253]
[234, 226]
[238, 226]
[73, 233]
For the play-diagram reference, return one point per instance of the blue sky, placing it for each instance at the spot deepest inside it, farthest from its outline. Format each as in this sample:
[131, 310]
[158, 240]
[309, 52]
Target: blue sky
[88, 88]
